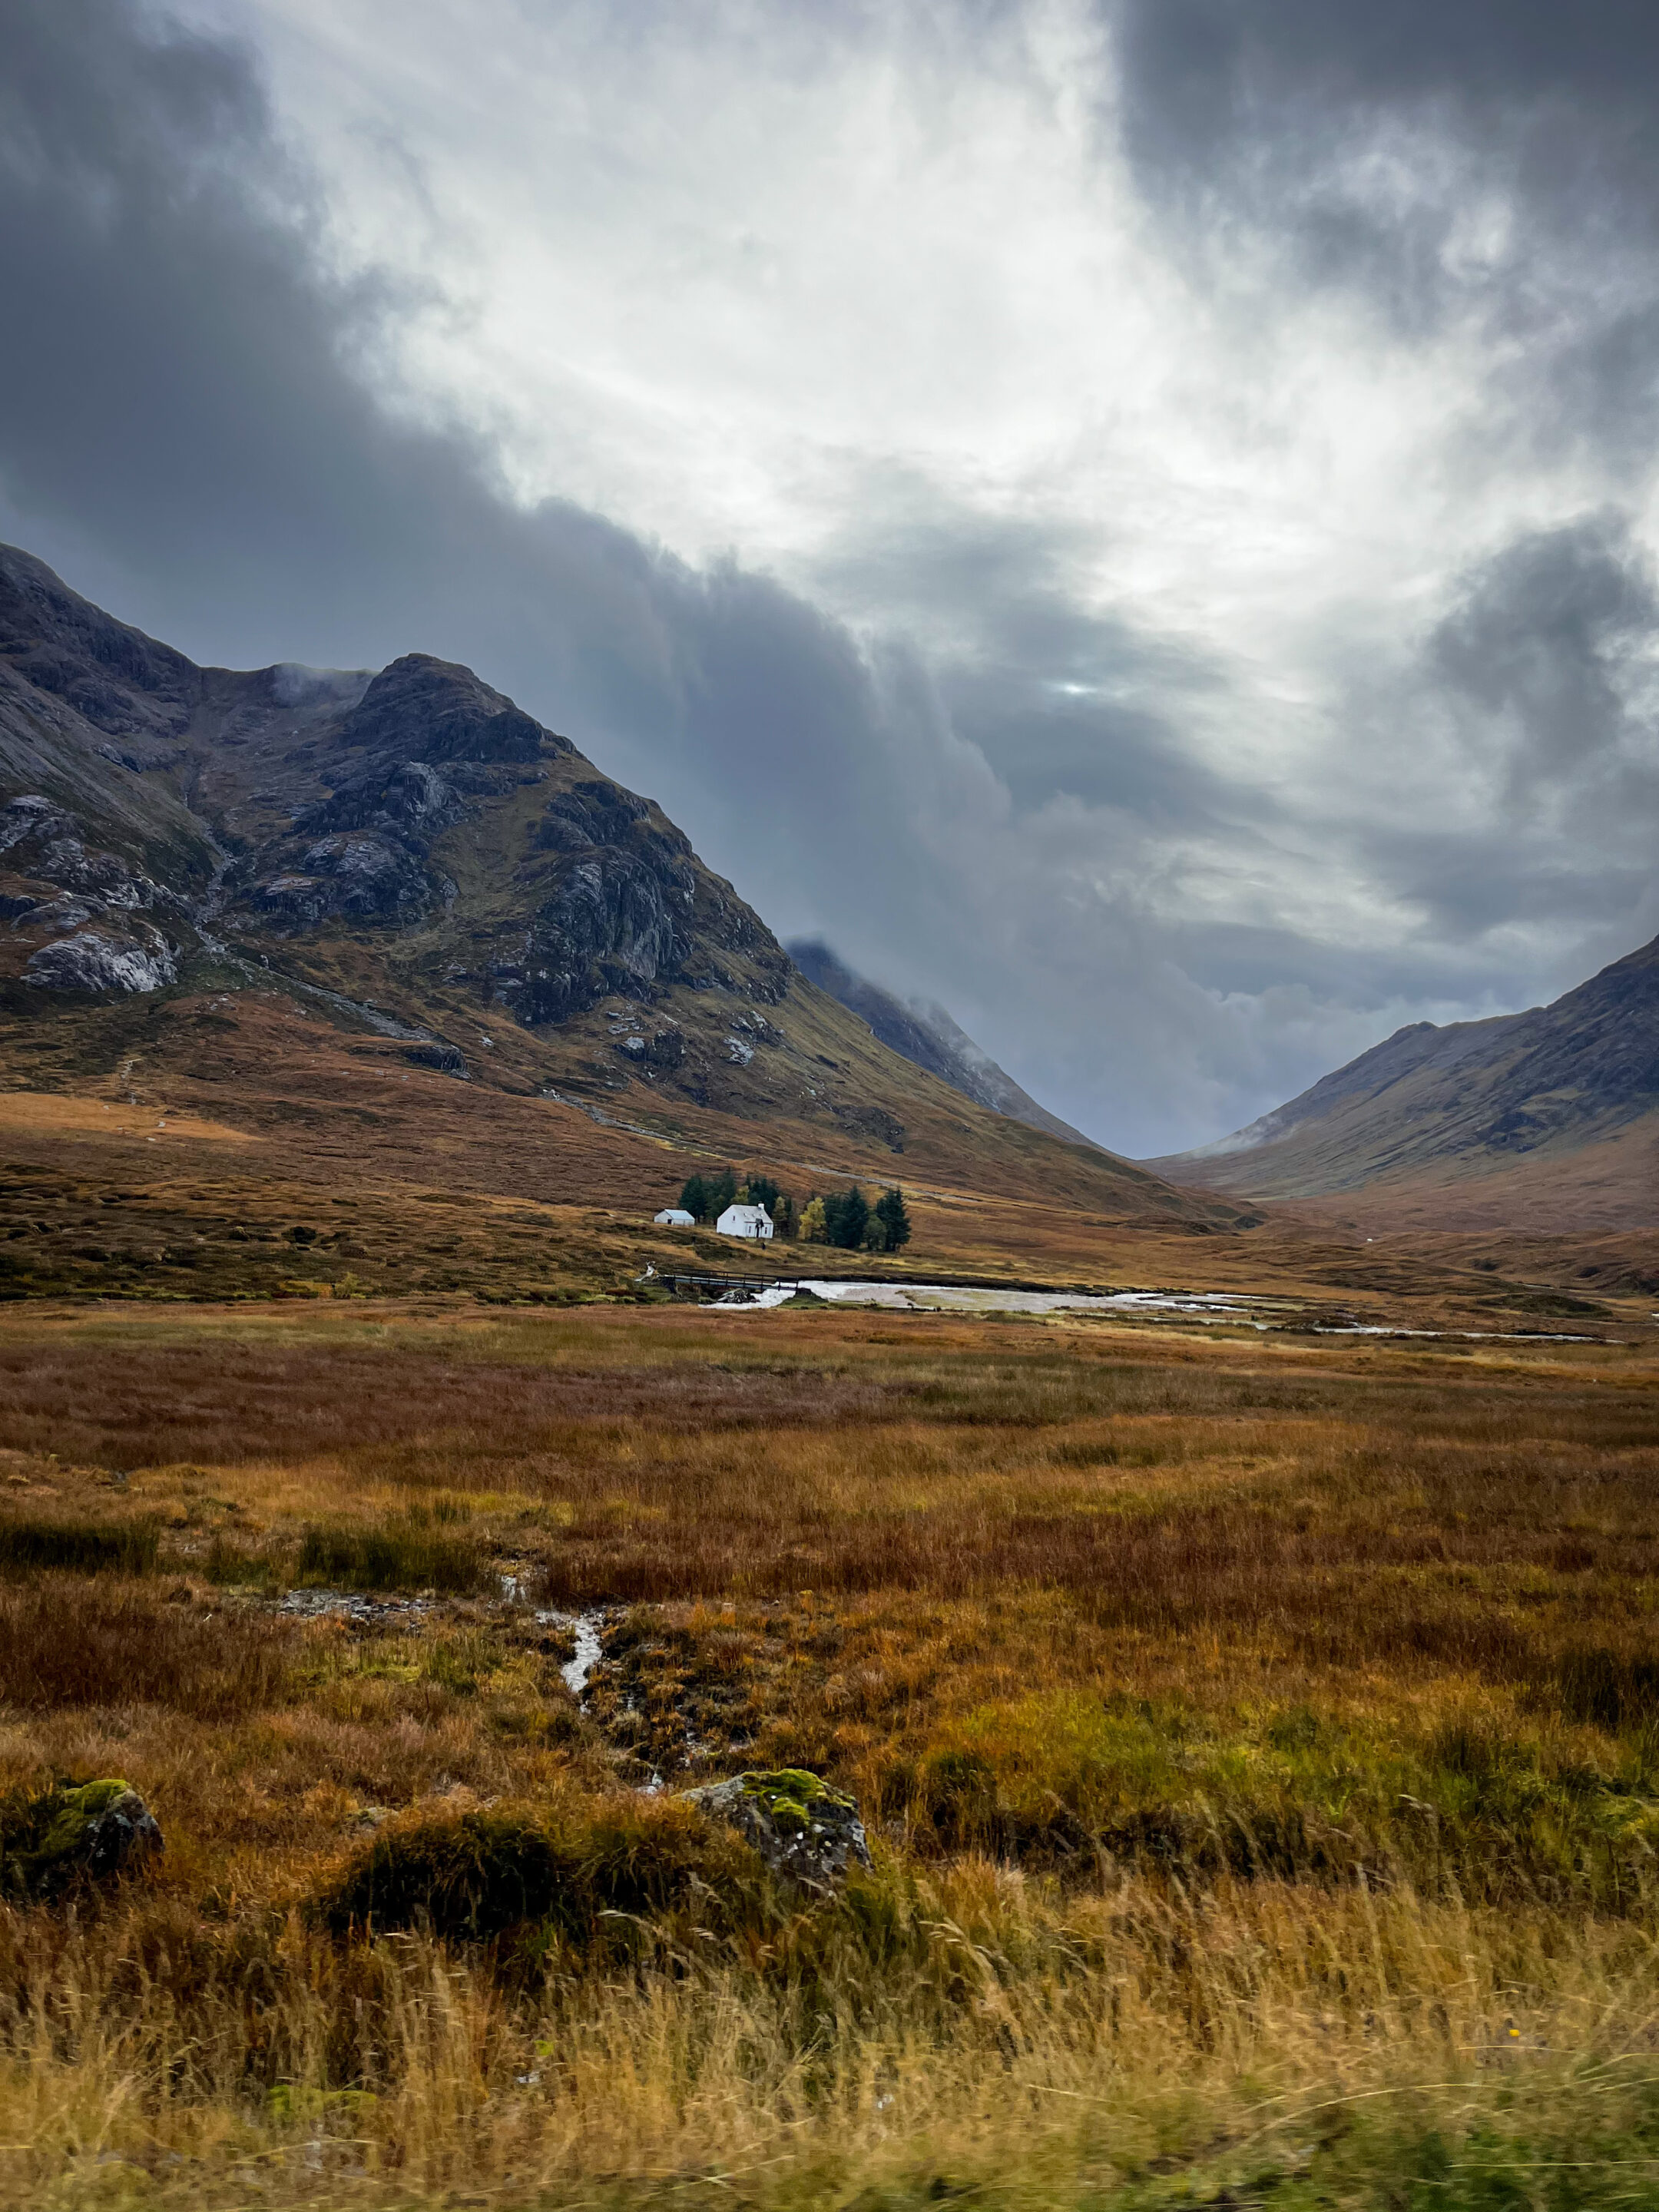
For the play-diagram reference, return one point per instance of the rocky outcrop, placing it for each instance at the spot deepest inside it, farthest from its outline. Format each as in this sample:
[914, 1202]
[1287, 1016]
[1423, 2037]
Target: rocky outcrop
[406, 797]
[47, 845]
[81, 1832]
[664, 1051]
[369, 879]
[92, 960]
[806, 1832]
[446, 1058]
[608, 926]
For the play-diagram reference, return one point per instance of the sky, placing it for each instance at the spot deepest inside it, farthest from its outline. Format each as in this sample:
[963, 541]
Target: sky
[1136, 519]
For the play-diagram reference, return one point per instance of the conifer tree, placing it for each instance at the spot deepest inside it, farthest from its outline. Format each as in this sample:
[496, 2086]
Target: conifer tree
[695, 1198]
[846, 1214]
[720, 1191]
[894, 1220]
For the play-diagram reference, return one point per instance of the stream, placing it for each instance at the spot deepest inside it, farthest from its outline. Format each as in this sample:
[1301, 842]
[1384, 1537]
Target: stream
[585, 1627]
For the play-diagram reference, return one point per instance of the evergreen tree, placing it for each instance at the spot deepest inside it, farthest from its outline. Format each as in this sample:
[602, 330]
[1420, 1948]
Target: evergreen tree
[783, 1215]
[875, 1234]
[763, 1191]
[695, 1197]
[895, 1221]
[845, 1215]
[719, 1191]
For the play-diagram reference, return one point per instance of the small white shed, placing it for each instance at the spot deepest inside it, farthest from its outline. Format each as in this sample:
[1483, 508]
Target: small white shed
[744, 1221]
[675, 1217]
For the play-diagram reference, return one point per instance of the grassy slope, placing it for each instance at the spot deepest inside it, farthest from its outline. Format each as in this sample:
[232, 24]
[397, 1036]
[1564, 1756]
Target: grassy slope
[1259, 1620]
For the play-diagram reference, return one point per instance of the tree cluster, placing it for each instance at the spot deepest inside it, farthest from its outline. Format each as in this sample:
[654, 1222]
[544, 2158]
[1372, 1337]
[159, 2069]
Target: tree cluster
[705, 1198]
[847, 1218]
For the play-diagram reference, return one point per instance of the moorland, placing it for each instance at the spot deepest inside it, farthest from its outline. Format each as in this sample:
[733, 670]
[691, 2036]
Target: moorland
[1257, 1733]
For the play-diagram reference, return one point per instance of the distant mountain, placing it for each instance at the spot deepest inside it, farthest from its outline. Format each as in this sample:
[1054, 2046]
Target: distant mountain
[1548, 1117]
[279, 884]
[925, 1034]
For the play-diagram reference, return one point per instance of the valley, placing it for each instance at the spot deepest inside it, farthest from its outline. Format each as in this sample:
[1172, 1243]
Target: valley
[1217, 1591]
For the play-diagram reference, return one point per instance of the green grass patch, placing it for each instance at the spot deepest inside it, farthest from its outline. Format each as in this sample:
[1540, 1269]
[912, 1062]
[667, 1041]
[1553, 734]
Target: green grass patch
[412, 1554]
[85, 1547]
[1466, 1807]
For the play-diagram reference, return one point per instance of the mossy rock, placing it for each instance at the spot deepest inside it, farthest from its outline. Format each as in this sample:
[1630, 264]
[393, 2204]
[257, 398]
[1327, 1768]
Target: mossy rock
[805, 1831]
[581, 1871]
[77, 1832]
[790, 1793]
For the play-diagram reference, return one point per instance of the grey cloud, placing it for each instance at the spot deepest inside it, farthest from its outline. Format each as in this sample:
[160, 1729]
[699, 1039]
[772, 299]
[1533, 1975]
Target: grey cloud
[183, 430]
[1551, 636]
[1360, 136]
[1204, 77]
[1062, 698]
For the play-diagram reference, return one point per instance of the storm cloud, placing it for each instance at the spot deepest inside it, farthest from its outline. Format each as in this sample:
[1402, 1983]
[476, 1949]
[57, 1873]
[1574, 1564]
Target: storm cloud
[1133, 521]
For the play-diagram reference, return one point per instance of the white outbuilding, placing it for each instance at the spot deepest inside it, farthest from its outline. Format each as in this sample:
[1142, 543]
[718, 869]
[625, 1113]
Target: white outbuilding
[675, 1217]
[744, 1221]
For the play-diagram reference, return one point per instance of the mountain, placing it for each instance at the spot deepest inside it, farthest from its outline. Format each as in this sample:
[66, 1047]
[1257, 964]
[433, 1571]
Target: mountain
[924, 1034]
[1547, 1118]
[388, 918]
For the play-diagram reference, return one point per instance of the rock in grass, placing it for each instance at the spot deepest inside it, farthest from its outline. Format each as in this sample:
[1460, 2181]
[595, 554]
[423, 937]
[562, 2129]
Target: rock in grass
[804, 1830]
[87, 1830]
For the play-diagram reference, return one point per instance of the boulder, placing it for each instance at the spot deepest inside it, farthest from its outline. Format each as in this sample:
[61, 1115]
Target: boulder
[448, 1059]
[91, 961]
[805, 1832]
[87, 1830]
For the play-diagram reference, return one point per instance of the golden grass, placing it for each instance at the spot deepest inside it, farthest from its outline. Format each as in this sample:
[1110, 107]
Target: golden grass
[1257, 1737]
[57, 1113]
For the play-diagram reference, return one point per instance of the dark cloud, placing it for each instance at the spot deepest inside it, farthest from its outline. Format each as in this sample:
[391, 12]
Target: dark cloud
[1552, 638]
[183, 412]
[1205, 78]
[1362, 138]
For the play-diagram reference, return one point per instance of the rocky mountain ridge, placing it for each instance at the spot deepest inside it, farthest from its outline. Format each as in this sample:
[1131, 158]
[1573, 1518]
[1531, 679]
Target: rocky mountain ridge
[925, 1033]
[1524, 1103]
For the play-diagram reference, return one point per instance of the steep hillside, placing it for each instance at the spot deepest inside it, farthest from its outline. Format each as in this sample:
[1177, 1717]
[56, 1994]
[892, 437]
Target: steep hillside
[274, 888]
[1547, 1119]
[925, 1034]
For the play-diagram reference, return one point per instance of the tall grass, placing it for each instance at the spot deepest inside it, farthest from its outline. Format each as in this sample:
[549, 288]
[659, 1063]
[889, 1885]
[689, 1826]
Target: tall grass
[933, 2037]
[85, 1547]
[410, 1554]
[65, 1643]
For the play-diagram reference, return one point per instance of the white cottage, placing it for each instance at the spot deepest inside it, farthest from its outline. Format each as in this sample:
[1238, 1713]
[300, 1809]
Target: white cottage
[675, 1217]
[744, 1221]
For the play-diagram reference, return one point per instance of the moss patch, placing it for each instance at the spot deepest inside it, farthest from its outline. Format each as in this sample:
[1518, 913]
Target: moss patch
[788, 1794]
[46, 1840]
